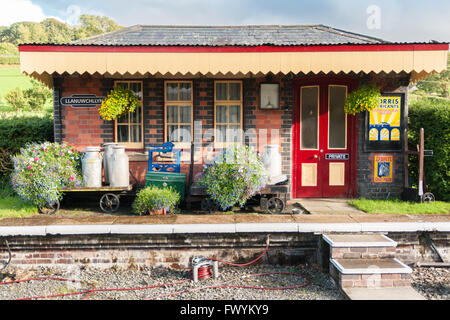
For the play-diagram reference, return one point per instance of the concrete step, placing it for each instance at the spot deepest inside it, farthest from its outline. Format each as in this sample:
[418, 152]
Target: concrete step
[400, 293]
[360, 246]
[370, 273]
[358, 240]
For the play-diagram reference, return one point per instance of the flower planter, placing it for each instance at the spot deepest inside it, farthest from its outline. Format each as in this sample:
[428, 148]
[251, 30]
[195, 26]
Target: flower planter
[158, 212]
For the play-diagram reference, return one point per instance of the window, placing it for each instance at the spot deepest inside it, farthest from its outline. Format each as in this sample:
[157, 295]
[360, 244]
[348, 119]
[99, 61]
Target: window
[129, 128]
[228, 112]
[178, 112]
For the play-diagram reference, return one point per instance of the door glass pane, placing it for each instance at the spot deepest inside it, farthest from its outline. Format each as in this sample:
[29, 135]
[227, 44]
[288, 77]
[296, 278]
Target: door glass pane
[185, 114]
[234, 133]
[336, 117]
[135, 116]
[221, 131]
[172, 133]
[123, 118]
[235, 91]
[136, 88]
[185, 91]
[122, 133]
[221, 114]
[122, 84]
[185, 133]
[309, 118]
[172, 114]
[221, 91]
[135, 133]
[172, 91]
[235, 114]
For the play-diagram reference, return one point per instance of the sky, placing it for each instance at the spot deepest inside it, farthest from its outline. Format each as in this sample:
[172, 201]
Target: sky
[392, 20]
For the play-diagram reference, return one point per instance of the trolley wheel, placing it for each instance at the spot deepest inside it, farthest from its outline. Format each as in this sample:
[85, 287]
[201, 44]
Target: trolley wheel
[208, 204]
[275, 205]
[50, 207]
[428, 197]
[109, 203]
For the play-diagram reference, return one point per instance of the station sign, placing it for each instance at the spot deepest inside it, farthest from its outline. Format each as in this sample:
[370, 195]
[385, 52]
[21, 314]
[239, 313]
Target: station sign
[82, 100]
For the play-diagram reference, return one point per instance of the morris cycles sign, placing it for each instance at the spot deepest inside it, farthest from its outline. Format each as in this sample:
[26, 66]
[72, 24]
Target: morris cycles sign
[82, 100]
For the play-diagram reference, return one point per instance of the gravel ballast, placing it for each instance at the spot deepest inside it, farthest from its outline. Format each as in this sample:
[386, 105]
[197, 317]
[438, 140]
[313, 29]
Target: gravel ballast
[432, 283]
[320, 287]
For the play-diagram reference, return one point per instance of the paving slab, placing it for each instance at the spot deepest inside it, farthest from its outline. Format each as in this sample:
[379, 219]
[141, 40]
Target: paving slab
[325, 205]
[358, 240]
[163, 219]
[370, 266]
[400, 293]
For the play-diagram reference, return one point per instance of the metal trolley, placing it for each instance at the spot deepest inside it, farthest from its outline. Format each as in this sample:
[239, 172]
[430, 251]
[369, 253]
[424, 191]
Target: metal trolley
[271, 199]
[108, 197]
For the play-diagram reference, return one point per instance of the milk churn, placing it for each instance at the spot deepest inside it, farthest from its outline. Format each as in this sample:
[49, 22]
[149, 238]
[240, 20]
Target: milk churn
[107, 154]
[91, 166]
[272, 163]
[119, 173]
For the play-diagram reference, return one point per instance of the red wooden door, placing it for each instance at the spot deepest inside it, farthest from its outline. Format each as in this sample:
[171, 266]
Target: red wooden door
[323, 140]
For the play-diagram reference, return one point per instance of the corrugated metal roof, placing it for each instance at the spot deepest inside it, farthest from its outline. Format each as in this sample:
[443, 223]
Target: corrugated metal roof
[228, 36]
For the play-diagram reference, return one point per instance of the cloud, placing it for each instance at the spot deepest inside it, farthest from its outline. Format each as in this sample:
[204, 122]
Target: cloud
[72, 14]
[20, 10]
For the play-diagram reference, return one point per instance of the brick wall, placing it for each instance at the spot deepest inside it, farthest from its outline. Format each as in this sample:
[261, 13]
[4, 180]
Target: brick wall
[85, 127]
[175, 251]
[366, 187]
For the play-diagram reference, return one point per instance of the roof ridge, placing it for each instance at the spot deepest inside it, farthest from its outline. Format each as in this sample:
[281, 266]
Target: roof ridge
[122, 29]
[230, 26]
[351, 34]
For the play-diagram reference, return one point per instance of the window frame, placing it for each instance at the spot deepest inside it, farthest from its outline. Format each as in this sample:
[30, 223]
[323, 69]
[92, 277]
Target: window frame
[228, 103]
[131, 145]
[179, 145]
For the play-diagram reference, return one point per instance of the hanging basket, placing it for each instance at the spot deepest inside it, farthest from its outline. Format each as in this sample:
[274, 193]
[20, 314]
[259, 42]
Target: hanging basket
[118, 102]
[365, 98]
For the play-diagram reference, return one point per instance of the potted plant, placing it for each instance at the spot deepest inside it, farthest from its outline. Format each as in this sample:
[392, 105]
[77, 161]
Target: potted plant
[365, 98]
[234, 176]
[153, 200]
[118, 102]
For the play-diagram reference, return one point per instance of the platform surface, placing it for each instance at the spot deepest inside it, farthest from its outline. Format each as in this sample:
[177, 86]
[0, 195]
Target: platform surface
[400, 293]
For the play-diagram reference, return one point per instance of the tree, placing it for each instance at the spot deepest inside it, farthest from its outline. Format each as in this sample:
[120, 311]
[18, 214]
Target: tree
[91, 25]
[24, 32]
[57, 31]
[437, 84]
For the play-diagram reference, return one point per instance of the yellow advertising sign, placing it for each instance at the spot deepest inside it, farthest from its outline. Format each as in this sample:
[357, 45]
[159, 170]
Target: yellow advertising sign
[384, 121]
[383, 168]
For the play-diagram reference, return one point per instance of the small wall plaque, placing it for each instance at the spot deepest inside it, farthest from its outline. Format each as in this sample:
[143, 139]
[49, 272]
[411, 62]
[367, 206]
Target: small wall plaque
[337, 156]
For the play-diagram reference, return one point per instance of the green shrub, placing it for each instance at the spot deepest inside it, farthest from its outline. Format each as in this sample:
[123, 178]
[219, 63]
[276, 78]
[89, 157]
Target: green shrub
[16, 133]
[33, 98]
[434, 116]
[234, 176]
[153, 199]
[16, 99]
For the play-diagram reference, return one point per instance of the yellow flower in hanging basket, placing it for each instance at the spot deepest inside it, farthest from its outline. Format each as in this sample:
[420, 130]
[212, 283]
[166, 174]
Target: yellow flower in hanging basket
[365, 98]
[118, 102]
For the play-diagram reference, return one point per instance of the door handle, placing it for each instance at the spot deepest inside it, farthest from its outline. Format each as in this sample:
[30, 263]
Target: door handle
[315, 156]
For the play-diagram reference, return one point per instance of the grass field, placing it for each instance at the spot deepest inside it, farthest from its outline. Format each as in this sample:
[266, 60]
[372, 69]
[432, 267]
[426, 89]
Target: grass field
[400, 207]
[10, 78]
